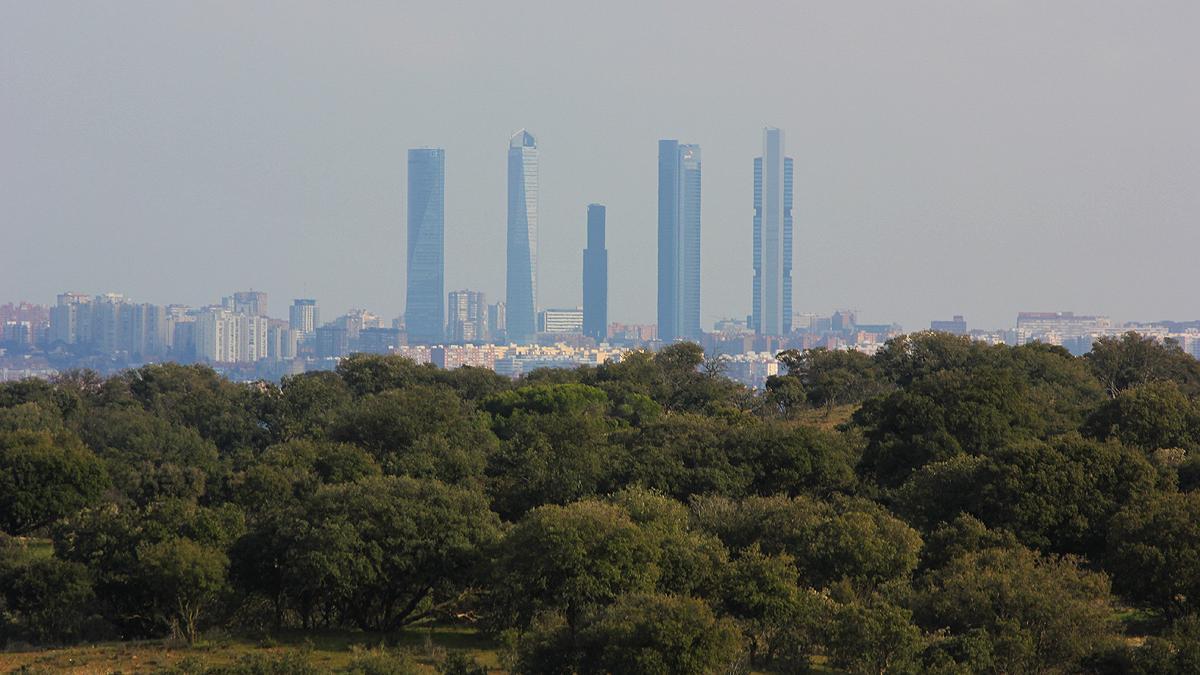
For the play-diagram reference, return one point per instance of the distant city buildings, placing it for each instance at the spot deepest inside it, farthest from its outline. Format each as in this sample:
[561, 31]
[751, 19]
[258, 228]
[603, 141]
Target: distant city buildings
[253, 303]
[955, 326]
[522, 272]
[1075, 332]
[595, 276]
[678, 241]
[424, 313]
[772, 301]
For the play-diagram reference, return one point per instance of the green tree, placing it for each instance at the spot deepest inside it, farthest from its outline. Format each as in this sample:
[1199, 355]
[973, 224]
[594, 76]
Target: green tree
[569, 559]
[185, 578]
[51, 598]
[1131, 360]
[833, 377]
[392, 550]
[874, 638]
[1151, 416]
[657, 634]
[44, 478]
[1034, 613]
[1154, 552]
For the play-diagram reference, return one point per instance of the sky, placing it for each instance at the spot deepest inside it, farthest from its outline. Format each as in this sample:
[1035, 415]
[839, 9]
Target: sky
[978, 158]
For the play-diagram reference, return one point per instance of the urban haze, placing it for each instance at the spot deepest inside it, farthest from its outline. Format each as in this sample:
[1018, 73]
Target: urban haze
[979, 158]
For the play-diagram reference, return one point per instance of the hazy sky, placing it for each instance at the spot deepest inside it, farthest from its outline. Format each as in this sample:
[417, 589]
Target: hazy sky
[976, 157]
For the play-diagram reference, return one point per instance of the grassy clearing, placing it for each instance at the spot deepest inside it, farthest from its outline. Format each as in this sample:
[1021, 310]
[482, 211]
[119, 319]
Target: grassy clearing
[819, 417]
[327, 650]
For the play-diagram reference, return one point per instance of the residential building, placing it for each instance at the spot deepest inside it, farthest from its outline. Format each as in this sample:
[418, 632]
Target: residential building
[304, 317]
[560, 321]
[956, 326]
[468, 317]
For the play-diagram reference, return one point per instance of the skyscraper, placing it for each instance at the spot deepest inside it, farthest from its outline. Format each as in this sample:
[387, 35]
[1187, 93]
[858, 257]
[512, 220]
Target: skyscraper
[521, 288]
[595, 276]
[772, 303]
[678, 241]
[424, 308]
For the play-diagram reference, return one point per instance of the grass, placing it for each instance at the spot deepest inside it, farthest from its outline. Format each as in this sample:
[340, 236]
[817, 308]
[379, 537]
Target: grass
[820, 417]
[327, 650]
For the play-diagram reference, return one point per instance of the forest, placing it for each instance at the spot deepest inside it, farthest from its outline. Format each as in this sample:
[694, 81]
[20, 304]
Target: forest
[943, 506]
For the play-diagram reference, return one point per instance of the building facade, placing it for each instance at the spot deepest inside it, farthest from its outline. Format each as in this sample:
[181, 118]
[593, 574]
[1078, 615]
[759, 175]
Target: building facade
[424, 312]
[521, 288]
[595, 276]
[468, 317]
[678, 241]
[304, 317]
[560, 321]
[772, 302]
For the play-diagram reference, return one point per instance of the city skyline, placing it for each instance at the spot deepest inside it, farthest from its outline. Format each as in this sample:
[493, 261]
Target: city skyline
[941, 165]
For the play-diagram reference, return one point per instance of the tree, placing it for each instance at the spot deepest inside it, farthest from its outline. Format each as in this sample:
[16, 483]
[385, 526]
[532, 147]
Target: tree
[780, 621]
[422, 431]
[51, 598]
[1131, 360]
[831, 378]
[44, 478]
[850, 539]
[570, 559]
[554, 446]
[1154, 552]
[185, 577]
[874, 638]
[654, 634]
[391, 550]
[1150, 416]
[1057, 496]
[1035, 613]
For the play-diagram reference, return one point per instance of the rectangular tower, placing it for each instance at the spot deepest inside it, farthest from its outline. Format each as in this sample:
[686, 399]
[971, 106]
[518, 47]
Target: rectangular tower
[595, 276]
[772, 302]
[678, 241]
[424, 309]
[520, 297]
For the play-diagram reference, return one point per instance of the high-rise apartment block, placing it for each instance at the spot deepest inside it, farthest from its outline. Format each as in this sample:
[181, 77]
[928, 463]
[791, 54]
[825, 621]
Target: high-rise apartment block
[252, 303]
[522, 274]
[560, 321]
[468, 317]
[595, 276]
[678, 241]
[424, 313]
[955, 326]
[772, 302]
[304, 317]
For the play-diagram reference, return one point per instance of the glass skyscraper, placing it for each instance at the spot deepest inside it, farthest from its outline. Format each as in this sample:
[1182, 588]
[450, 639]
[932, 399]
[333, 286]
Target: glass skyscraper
[772, 304]
[424, 308]
[521, 287]
[678, 241]
[595, 276]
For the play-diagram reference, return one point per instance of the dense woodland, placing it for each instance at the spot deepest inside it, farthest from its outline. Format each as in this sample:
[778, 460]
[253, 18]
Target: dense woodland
[943, 506]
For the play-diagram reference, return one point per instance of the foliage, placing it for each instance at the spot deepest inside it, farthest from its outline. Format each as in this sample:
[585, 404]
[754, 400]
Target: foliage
[44, 477]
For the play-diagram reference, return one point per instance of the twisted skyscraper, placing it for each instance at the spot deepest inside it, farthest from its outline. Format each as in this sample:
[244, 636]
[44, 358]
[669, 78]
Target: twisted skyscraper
[521, 287]
[772, 305]
[424, 308]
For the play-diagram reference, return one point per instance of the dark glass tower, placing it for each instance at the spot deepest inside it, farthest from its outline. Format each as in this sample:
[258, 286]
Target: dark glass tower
[678, 241]
[595, 276]
[424, 309]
